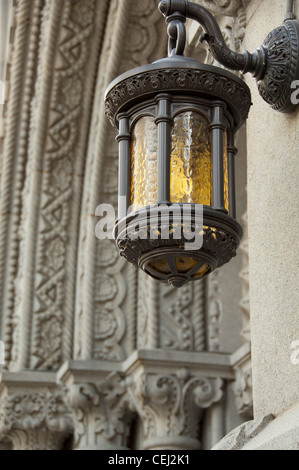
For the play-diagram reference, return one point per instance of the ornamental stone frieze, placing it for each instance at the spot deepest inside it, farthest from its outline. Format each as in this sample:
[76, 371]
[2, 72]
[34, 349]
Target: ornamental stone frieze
[33, 413]
[168, 319]
[107, 295]
[167, 395]
[50, 96]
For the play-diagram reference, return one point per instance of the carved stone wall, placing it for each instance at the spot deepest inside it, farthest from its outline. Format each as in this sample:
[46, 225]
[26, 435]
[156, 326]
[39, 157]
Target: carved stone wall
[107, 344]
[43, 186]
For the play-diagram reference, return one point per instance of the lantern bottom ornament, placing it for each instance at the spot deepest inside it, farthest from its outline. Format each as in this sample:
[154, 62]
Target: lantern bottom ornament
[174, 248]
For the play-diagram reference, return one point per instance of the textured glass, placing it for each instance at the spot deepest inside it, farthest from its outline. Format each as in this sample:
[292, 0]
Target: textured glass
[185, 264]
[190, 160]
[161, 265]
[202, 271]
[225, 172]
[143, 165]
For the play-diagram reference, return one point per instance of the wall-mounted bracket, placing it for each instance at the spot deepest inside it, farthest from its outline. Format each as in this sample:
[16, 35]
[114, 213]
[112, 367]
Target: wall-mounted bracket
[274, 65]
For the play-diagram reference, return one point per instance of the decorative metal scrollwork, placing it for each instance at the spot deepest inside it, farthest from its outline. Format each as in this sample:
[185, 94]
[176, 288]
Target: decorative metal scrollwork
[282, 65]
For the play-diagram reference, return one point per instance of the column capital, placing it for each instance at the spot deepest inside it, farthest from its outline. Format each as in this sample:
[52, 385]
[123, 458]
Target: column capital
[34, 415]
[170, 403]
[97, 395]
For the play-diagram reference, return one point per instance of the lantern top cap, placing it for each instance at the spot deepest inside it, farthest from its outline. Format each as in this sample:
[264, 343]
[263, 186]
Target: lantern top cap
[178, 76]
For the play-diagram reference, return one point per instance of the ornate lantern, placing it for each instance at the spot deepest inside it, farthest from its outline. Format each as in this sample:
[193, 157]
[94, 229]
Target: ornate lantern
[177, 119]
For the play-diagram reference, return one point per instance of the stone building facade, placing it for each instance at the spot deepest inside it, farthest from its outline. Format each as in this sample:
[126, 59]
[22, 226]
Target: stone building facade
[97, 354]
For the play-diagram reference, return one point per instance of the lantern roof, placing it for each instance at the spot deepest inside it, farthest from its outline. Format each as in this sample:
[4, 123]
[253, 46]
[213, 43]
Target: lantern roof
[179, 76]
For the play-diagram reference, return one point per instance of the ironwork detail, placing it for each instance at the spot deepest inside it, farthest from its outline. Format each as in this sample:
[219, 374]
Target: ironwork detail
[221, 238]
[282, 58]
[205, 82]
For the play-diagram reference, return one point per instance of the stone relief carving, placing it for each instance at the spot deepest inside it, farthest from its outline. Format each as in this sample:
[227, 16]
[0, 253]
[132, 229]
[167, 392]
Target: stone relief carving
[110, 285]
[243, 383]
[101, 412]
[104, 322]
[169, 318]
[243, 390]
[244, 275]
[54, 306]
[35, 420]
[170, 404]
[214, 312]
[15, 155]
[128, 47]
[177, 328]
[182, 318]
[143, 340]
[53, 179]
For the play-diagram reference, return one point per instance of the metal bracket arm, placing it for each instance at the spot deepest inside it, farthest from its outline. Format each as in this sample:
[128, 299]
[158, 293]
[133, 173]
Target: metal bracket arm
[255, 63]
[275, 64]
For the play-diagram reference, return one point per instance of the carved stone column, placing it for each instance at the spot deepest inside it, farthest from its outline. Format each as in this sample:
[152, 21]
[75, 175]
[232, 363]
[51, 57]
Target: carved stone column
[107, 293]
[33, 413]
[100, 405]
[170, 396]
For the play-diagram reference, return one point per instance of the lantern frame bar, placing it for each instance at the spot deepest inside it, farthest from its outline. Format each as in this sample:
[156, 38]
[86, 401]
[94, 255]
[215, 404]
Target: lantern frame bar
[217, 129]
[164, 121]
[124, 139]
[231, 153]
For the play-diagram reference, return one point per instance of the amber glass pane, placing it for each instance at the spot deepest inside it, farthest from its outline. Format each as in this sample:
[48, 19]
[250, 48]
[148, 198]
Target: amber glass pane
[190, 160]
[161, 265]
[185, 264]
[143, 170]
[202, 271]
[225, 169]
